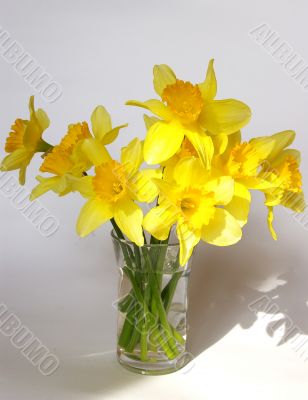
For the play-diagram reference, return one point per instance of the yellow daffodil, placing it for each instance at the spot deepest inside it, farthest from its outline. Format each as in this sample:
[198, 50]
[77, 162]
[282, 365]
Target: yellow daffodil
[115, 188]
[24, 140]
[281, 170]
[242, 161]
[194, 203]
[188, 110]
[68, 162]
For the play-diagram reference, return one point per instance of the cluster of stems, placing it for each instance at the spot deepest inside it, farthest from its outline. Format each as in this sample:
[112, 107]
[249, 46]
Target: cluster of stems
[146, 306]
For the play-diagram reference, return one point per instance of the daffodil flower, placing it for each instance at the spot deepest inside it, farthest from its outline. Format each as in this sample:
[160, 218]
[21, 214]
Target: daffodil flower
[115, 188]
[188, 110]
[68, 162]
[195, 204]
[24, 140]
[281, 170]
[242, 161]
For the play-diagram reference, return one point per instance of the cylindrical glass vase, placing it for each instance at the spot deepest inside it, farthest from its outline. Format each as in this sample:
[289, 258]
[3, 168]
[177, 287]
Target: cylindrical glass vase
[152, 307]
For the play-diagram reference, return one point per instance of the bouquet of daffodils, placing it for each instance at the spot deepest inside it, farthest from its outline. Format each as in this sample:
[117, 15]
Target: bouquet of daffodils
[197, 181]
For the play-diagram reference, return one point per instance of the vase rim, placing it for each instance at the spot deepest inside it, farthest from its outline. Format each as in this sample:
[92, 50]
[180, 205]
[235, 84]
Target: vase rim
[126, 241]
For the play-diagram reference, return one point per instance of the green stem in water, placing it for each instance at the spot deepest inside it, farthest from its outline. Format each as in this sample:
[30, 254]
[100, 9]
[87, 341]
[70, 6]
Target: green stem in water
[137, 326]
[159, 304]
[169, 290]
[144, 343]
[127, 330]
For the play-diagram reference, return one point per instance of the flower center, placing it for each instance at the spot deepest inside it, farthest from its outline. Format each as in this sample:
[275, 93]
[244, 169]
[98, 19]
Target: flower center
[184, 99]
[117, 187]
[189, 202]
[187, 205]
[110, 181]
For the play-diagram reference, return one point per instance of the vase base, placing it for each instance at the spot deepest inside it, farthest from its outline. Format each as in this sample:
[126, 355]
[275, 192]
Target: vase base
[154, 367]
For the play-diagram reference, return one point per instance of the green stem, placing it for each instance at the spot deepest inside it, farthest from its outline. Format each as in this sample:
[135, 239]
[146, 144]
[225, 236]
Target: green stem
[163, 343]
[44, 147]
[135, 335]
[138, 323]
[169, 290]
[138, 272]
[159, 304]
[144, 343]
[127, 330]
[126, 302]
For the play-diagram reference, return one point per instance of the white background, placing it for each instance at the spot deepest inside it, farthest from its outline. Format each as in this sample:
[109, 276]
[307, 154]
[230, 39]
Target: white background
[62, 287]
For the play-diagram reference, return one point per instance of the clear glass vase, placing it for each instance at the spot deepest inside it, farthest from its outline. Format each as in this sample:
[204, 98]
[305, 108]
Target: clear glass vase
[152, 307]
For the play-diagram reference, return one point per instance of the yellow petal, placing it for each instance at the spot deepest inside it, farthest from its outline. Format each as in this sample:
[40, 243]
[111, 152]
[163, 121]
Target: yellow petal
[31, 106]
[16, 160]
[142, 188]
[22, 175]
[39, 116]
[162, 76]
[203, 145]
[42, 118]
[151, 173]
[255, 182]
[149, 121]
[169, 168]
[281, 157]
[263, 146]
[168, 190]
[233, 140]
[64, 186]
[132, 155]
[45, 184]
[208, 88]
[188, 239]
[223, 230]
[111, 136]
[163, 140]
[160, 219]
[270, 219]
[240, 204]
[32, 136]
[223, 189]
[220, 143]
[82, 185]
[39, 121]
[101, 122]
[294, 201]
[95, 151]
[93, 214]
[155, 106]
[282, 140]
[189, 172]
[273, 197]
[224, 116]
[128, 217]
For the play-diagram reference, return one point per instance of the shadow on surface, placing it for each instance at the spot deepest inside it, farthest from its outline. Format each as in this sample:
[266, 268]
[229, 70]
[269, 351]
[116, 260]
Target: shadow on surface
[225, 281]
